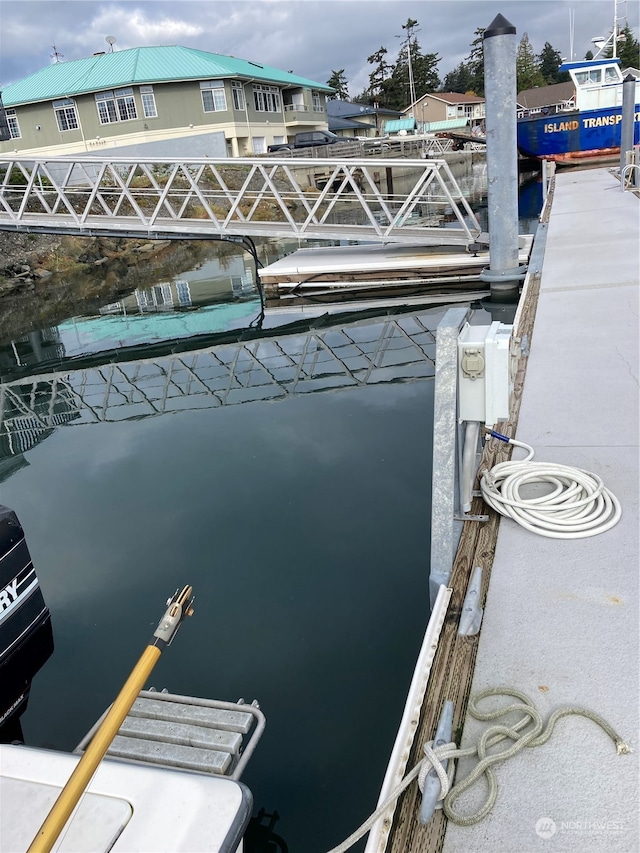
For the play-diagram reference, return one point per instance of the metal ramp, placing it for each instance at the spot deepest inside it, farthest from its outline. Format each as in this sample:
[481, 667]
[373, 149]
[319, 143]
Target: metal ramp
[379, 199]
[186, 733]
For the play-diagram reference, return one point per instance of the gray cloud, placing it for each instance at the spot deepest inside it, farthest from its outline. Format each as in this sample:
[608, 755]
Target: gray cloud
[308, 37]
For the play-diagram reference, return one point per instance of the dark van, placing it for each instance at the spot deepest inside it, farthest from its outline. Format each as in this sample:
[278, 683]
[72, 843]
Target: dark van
[315, 137]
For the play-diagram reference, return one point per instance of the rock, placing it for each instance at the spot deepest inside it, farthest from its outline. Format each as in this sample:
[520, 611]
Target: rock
[42, 273]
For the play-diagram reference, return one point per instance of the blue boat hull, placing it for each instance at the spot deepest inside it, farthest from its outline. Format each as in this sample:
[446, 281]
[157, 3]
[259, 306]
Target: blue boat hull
[574, 136]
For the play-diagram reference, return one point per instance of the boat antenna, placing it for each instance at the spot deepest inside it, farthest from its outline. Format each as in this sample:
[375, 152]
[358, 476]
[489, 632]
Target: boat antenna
[179, 606]
[572, 23]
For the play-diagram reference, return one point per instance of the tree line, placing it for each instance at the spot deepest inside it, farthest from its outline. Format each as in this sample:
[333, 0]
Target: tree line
[396, 85]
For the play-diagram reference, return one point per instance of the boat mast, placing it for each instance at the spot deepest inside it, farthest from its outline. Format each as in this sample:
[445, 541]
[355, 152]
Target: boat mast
[572, 21]
[614, 49]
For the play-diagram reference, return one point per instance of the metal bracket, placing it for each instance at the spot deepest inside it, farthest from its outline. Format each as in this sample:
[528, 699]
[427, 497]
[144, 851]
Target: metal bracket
[469, 517]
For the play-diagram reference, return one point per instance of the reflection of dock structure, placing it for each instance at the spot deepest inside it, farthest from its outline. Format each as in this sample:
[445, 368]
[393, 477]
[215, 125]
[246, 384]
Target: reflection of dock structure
[365, 352]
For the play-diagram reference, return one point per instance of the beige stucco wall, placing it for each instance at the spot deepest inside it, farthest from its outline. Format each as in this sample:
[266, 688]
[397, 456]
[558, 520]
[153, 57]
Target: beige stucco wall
[180, 112]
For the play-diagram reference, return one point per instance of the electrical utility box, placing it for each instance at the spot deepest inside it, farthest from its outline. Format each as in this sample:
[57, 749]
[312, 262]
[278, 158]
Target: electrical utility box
[485, 373]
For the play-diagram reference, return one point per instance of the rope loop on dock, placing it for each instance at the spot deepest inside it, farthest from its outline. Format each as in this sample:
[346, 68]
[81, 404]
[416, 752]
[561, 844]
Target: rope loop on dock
[537, 735]
[578, 504]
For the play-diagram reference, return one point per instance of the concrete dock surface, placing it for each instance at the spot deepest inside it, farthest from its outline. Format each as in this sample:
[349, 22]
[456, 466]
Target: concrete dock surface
[561, 620]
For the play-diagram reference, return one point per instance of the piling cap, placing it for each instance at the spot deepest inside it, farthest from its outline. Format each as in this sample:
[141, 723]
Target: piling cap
[499, 27]
[630, 79]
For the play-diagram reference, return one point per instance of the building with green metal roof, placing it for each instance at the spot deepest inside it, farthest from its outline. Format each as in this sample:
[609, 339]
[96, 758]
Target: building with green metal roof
[152, 94]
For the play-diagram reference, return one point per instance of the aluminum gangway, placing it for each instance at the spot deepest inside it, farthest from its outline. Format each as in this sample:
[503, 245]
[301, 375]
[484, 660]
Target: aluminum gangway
[368, 199]
[356, 354]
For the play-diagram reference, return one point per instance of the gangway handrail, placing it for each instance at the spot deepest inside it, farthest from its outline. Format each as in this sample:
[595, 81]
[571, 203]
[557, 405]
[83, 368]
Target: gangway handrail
[200, 198]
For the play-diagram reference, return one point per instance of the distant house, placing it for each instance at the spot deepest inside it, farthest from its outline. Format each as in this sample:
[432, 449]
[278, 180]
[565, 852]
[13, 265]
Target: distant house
[169, 95]
[357, 120]
[546, 99]
[447, 106]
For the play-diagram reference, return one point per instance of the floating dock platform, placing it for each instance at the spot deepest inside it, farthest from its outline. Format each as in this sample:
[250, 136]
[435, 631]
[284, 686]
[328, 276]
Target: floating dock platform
[561, 616]
[391, 266]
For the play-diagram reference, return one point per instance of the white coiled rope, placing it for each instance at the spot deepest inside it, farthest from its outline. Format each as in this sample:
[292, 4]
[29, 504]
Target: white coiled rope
[578, 505]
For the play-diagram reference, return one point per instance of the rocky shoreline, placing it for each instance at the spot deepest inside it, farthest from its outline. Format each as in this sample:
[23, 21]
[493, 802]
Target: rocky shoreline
[27, 258]
[46, 278]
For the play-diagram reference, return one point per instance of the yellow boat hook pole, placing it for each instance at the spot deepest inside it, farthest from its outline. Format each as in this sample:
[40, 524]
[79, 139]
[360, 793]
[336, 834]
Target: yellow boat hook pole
[178, 608]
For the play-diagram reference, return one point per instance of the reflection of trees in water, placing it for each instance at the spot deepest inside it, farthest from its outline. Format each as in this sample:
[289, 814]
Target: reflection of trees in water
[48, 303]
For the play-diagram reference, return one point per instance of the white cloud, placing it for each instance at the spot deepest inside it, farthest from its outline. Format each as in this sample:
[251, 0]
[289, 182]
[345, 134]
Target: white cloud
[305, 36]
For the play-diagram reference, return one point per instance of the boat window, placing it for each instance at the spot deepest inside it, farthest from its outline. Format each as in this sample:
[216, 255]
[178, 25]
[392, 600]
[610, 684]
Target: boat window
[593, 75]
[611, 75]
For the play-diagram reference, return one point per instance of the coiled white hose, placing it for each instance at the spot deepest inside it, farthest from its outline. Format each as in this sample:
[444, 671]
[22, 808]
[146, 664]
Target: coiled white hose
[578, 505]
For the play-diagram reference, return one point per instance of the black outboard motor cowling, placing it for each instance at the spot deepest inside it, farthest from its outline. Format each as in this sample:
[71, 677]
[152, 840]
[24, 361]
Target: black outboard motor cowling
[26, 637]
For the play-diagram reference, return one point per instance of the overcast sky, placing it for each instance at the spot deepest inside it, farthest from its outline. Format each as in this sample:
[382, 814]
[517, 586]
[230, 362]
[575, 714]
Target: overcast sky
[308, 37]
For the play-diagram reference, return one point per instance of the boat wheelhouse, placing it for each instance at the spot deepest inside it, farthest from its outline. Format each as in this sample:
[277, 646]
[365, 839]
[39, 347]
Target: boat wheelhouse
[588, 127]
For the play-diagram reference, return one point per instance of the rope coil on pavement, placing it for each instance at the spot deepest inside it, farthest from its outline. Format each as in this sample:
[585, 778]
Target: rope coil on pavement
[538, 735]
[578, 505]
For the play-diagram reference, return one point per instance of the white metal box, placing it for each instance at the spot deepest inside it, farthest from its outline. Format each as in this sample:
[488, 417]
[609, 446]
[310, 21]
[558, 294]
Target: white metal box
[485, 380]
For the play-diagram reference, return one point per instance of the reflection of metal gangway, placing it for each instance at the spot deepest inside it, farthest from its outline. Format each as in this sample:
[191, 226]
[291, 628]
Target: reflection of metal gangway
[366, 352]
[393, 199]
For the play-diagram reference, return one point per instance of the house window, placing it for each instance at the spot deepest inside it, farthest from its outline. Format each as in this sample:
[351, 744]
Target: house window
[14, 127]
[66, 115]
[118, 105]
[184, 292]
[213, 97]
[266, 99]
[148, 102]
[259, 144]
[237, 93]
[316, 101]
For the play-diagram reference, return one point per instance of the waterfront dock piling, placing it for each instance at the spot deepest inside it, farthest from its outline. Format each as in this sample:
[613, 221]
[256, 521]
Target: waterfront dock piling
[504, 274]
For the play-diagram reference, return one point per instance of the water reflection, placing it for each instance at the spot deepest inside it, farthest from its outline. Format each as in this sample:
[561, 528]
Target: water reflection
[303, 526]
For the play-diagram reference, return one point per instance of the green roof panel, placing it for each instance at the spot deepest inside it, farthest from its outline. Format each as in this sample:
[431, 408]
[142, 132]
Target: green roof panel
[140, 65]
[447, 124]
[399, 124]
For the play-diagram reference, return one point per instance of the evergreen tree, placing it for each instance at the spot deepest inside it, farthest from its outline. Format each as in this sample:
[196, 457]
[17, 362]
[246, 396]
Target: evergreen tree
[468, 77]
[528, 74]
[338, 82]
[549, 61]
[458, 80]
[475, 63]
[380, 72]
[628, 48]
[414, 74]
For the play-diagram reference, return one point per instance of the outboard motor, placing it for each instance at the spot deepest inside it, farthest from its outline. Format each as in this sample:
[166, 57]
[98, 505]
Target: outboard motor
[26, 637]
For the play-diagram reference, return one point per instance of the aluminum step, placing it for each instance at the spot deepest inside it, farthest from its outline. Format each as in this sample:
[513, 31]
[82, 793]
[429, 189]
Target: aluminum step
[186, 732]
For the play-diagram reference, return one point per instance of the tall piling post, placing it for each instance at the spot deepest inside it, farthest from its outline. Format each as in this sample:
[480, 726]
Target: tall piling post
[504, 273]
[628, 116]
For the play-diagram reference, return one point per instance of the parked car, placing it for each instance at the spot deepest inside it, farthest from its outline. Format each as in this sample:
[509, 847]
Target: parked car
[279, 146]
[312, 138]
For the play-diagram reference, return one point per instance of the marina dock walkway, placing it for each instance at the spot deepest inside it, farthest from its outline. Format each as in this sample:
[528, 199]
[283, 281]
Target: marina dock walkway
[561, 621]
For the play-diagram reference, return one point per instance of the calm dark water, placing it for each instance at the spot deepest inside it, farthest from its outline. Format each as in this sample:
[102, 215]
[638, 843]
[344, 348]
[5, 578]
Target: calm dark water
[302, 524]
